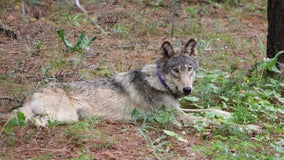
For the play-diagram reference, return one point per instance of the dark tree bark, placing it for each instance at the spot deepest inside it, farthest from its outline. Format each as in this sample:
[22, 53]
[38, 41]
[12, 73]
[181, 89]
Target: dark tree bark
[275, 38]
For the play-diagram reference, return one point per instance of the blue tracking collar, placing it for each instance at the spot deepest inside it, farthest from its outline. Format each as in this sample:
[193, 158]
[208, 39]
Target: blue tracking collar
[162, 80]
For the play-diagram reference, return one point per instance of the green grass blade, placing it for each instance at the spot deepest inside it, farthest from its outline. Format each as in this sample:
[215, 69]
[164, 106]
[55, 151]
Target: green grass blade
[60, 32]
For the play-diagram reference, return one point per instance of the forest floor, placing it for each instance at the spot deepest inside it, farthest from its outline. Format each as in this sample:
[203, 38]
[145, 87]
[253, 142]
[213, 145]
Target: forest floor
[32, 55]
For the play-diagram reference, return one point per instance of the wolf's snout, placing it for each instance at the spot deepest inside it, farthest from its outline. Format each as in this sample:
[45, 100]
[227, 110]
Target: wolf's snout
[187, 90]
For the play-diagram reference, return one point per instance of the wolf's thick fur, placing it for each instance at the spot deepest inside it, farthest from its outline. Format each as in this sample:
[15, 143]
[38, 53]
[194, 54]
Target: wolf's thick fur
[151, 86]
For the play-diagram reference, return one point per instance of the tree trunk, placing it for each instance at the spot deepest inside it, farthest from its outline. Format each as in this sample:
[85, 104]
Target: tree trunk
[275, 38]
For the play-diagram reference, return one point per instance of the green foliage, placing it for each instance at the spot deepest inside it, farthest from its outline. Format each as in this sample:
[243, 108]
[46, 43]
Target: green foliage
[163, 116]
[77, 127]
[158, 144]
[270, 64]
[118, 28]
[53, 124]
[82, 130]
[267, 64]
[82, 42]
[37, 45]
[44, 71]
[34, 2]
[46, 156]
[74, 19]
[252, 98]
[102, 72]
[235, 147]
[17, 121]
[233, 3]
[190, 99]
[173, 134]
[84, 157]
[199, 125]
[191, 11]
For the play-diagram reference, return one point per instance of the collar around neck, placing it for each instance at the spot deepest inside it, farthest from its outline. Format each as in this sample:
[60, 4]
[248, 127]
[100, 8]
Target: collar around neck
[162, 80]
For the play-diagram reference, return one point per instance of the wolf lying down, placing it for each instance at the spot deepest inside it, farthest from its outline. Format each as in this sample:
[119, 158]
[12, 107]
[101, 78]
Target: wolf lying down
[151, 86]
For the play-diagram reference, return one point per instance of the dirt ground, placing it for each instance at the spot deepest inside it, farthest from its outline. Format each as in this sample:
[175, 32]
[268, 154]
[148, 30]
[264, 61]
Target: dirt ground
[31, 55]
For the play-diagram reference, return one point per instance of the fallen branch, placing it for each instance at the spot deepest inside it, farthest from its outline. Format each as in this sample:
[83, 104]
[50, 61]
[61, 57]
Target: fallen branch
[5, 97]
[225, 114]
[250, 129]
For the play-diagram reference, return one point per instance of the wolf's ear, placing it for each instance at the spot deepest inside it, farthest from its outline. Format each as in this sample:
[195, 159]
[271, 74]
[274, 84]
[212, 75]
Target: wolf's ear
[190, 47]
[167, 50]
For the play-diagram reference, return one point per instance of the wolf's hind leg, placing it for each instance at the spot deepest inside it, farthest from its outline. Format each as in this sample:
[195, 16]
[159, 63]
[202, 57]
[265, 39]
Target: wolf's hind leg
[44, 120]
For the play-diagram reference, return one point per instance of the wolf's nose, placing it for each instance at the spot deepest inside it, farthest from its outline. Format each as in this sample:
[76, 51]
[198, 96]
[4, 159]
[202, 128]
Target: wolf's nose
[187, 90]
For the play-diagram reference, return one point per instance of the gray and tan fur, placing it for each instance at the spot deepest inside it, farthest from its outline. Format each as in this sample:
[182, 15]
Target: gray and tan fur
[115, 98]
[151, 86]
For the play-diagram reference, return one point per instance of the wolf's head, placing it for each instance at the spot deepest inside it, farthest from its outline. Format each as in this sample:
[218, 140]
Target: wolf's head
[177, 67]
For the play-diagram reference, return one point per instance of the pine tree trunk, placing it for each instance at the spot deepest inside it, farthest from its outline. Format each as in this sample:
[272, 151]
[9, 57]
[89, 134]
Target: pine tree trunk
[275, 38]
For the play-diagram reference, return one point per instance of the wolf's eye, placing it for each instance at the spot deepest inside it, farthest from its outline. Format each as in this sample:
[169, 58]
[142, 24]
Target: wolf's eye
[189, 68]
[176, 70]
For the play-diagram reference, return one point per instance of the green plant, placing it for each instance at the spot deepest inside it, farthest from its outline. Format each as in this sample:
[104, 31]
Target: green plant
[252, 98]
[240, 93]
[83, 157]
[191, 11]
[34, 2]
[232, 147]
[57, 63]
[74, 19]
[270, 64]
[46, 156]
[82, 42]
[163, 116]
[18, 120]
[266, 64]
[173, 134]
[53, 124]
[44, 70]
[37, 45]
[158, 144]
[118, 28]
[102, 71]
[233, 3]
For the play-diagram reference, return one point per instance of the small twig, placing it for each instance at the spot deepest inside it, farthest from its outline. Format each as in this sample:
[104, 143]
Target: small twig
[88, 18]
[3, 127]
[212, 110]
[5, 97]
[173, 14]
[6, 123]
[24, 18]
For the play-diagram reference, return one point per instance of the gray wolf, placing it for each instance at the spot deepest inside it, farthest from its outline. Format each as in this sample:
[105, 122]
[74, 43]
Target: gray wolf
[154, 85]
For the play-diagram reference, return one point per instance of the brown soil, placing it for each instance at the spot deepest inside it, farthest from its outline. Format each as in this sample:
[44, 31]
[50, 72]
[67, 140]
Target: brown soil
[109, 140]
[37, 46]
